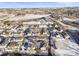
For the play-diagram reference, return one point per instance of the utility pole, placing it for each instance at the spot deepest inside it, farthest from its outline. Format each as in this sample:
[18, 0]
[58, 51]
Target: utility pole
[50, 30]
[49, 49]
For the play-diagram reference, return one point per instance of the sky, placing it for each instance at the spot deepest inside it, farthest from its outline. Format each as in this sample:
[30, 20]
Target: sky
[37, 4]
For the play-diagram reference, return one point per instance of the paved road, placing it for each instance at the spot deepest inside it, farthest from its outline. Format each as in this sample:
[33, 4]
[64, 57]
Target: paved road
[73, 35]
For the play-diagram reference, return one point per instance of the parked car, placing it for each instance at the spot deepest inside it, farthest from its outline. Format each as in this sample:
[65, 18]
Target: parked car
[2, 39]
[39, 44]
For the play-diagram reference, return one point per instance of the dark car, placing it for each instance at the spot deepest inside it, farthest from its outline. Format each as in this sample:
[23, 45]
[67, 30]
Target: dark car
[26, 31]
[39, 44]
[2, 39]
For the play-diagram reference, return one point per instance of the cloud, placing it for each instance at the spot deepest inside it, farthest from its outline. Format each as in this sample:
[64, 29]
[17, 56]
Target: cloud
[68, 4]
